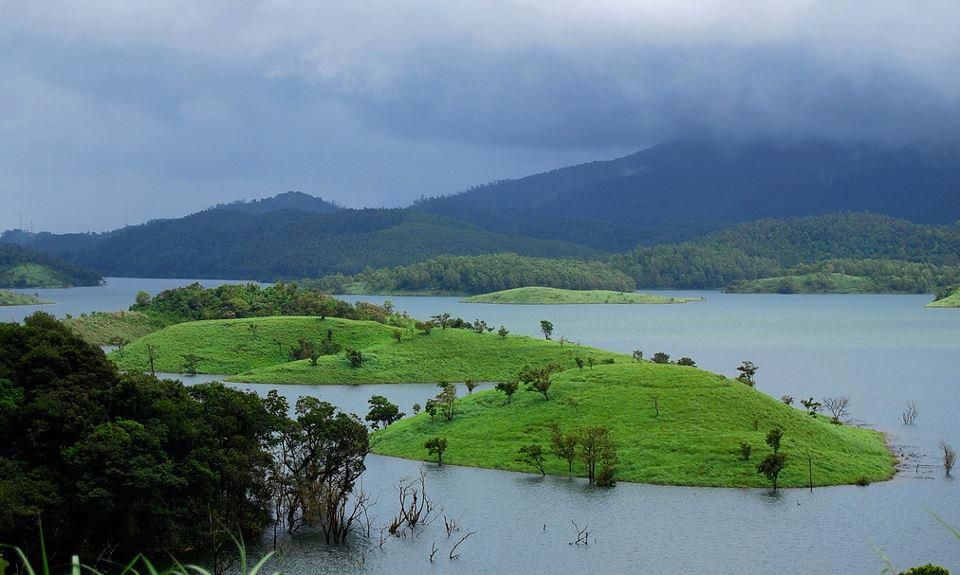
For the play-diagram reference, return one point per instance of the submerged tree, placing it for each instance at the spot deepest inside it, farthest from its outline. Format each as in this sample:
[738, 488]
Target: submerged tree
[436, 446]
[598, 451]
[563, 445]
[771, 466]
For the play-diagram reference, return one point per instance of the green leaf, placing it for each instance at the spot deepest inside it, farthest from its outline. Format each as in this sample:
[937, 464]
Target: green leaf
[3, 565]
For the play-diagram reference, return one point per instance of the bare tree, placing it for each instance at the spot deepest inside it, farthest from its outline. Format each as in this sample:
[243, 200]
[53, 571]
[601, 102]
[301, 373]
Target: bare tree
[152, 358]
[837, 406]
[949, 457]
[909, 415]
[415, 507]
[583, 536]
[453, 551]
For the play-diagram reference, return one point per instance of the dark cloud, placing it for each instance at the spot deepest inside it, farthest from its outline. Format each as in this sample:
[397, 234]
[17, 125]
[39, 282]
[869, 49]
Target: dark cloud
[113, 114]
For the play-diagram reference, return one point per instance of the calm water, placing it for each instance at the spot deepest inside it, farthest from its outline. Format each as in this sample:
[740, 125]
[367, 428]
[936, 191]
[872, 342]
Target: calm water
[881, 351]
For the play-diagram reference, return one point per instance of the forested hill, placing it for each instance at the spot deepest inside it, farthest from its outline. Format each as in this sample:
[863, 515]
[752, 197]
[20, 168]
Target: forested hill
[297, 201]
[295, 244]
[25, 268]
[678, 190]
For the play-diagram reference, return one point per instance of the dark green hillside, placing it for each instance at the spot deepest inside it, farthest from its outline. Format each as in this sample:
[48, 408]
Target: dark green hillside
[291, 244]
[21, 267]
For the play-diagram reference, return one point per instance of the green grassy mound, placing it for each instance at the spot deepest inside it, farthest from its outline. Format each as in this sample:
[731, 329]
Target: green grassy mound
[231, 346]
[815, 283]
[31, 275]
[545, 295]
[952, 300]
[450, 355]
[102, 328]
[8, 298]
[694, 441]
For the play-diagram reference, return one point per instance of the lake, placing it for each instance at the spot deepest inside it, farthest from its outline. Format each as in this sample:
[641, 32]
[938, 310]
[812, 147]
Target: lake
[881, 351]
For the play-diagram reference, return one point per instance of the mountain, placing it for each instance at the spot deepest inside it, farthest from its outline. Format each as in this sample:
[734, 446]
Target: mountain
[297, 201]
[224, 243]
[21, 267]
[679, 190]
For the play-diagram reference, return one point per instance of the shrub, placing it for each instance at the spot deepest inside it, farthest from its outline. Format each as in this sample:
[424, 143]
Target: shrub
[745, 449]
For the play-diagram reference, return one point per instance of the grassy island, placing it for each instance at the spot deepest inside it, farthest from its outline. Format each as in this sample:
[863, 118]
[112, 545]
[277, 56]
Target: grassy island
[10, 298]
[695, 440]
[261, 354]
[946, 298]
[545, 295]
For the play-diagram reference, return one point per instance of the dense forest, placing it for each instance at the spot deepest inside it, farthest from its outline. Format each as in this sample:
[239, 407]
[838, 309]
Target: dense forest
[285, 244]
[480, 274]
[854, 276]
[26, 268]
[116, 464]
[676, 191]
[768, 248]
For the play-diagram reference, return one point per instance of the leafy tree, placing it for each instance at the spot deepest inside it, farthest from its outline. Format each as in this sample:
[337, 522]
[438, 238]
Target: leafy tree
[424, 326]
[661, 357]
[532, 455]
[142, 299]
[508, 388]
[686, 361]
[538, 379]
[355, 357]
[597, 449]
[436, 446]
[928, 569]
[787, 399]
[446, 400]
[579, 361]
[774, 437]
[503, 332]
[811, 405]
[547, 328]
[191, 362]
[441, 319]
[471, 385]
[748, 372]
[771, 466]
[430, 406]
[416, 408]
[563, 445]
[397, 335]
[638, 355]
[382, 412]
[591, 361]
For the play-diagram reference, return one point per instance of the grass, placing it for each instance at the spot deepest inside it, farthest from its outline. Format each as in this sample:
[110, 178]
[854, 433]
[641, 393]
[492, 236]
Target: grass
[833, 283]
[230, 346]
[545, 295]
[99, 328]
[10, 298]
[952, 300]
[695, 440]
[31, 275]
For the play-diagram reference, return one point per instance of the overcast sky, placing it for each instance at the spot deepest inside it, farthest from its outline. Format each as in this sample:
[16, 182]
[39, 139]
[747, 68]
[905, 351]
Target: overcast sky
[116, 112]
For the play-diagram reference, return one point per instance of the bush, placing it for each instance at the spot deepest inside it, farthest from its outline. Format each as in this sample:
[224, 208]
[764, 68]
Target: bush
[745, 450]
[927, 569]
[862, 481]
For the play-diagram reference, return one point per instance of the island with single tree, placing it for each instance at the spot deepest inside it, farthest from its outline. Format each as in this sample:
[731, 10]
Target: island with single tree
[536, 295]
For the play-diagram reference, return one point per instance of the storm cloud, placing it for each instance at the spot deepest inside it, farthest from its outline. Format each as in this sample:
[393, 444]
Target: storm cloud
[116, 112]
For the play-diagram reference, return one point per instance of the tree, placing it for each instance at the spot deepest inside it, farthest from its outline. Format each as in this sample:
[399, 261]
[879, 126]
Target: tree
[532, 454]
[563, 445]
[503, 332]
[254, 329]
[597, 449]
[152, 359]
[928, 569]
[771, 466]
[191, 363]
[447, 400]
[382, 412]
[909, 415]
[774, 437]
[745, 450]
[579, 361]
[416, 408]
[355, 357]
[397, 335]
[837, 406]
[637, 355]
[787, 399]
[436, 446]
[686, 361]
[949, 457]
[119, 342]
[591, 361]
[142, 299]
[547, 328]
[661, 357]
[508, 387]
[430, 406]
[441, 319]
[471, 385]
[538, 379]
[810, 405]
[748, 372]
[424, 326]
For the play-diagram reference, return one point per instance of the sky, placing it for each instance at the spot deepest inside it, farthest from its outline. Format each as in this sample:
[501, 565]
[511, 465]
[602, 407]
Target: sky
[115, 112]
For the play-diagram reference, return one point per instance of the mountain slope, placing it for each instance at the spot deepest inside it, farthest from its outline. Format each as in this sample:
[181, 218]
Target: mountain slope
[643, 197]
[297, 201]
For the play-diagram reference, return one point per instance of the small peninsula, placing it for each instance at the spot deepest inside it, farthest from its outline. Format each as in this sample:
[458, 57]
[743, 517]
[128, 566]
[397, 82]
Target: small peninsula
[545, 295]
[949, 297]
[11, 298]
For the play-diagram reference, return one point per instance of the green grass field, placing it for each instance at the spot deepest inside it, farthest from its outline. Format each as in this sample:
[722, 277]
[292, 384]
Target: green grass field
[9, 298]
[230, 347]
[833, 283]
[545, 295]
[952, 300]
[694, 441]
[99, 328]
[31, 275]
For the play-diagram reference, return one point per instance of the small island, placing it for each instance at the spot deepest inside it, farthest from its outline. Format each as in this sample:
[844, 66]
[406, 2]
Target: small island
[535, 295]
[948, 297]
[11, 298]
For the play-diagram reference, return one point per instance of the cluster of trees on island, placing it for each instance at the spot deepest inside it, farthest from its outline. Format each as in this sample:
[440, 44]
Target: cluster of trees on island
[22, 267]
